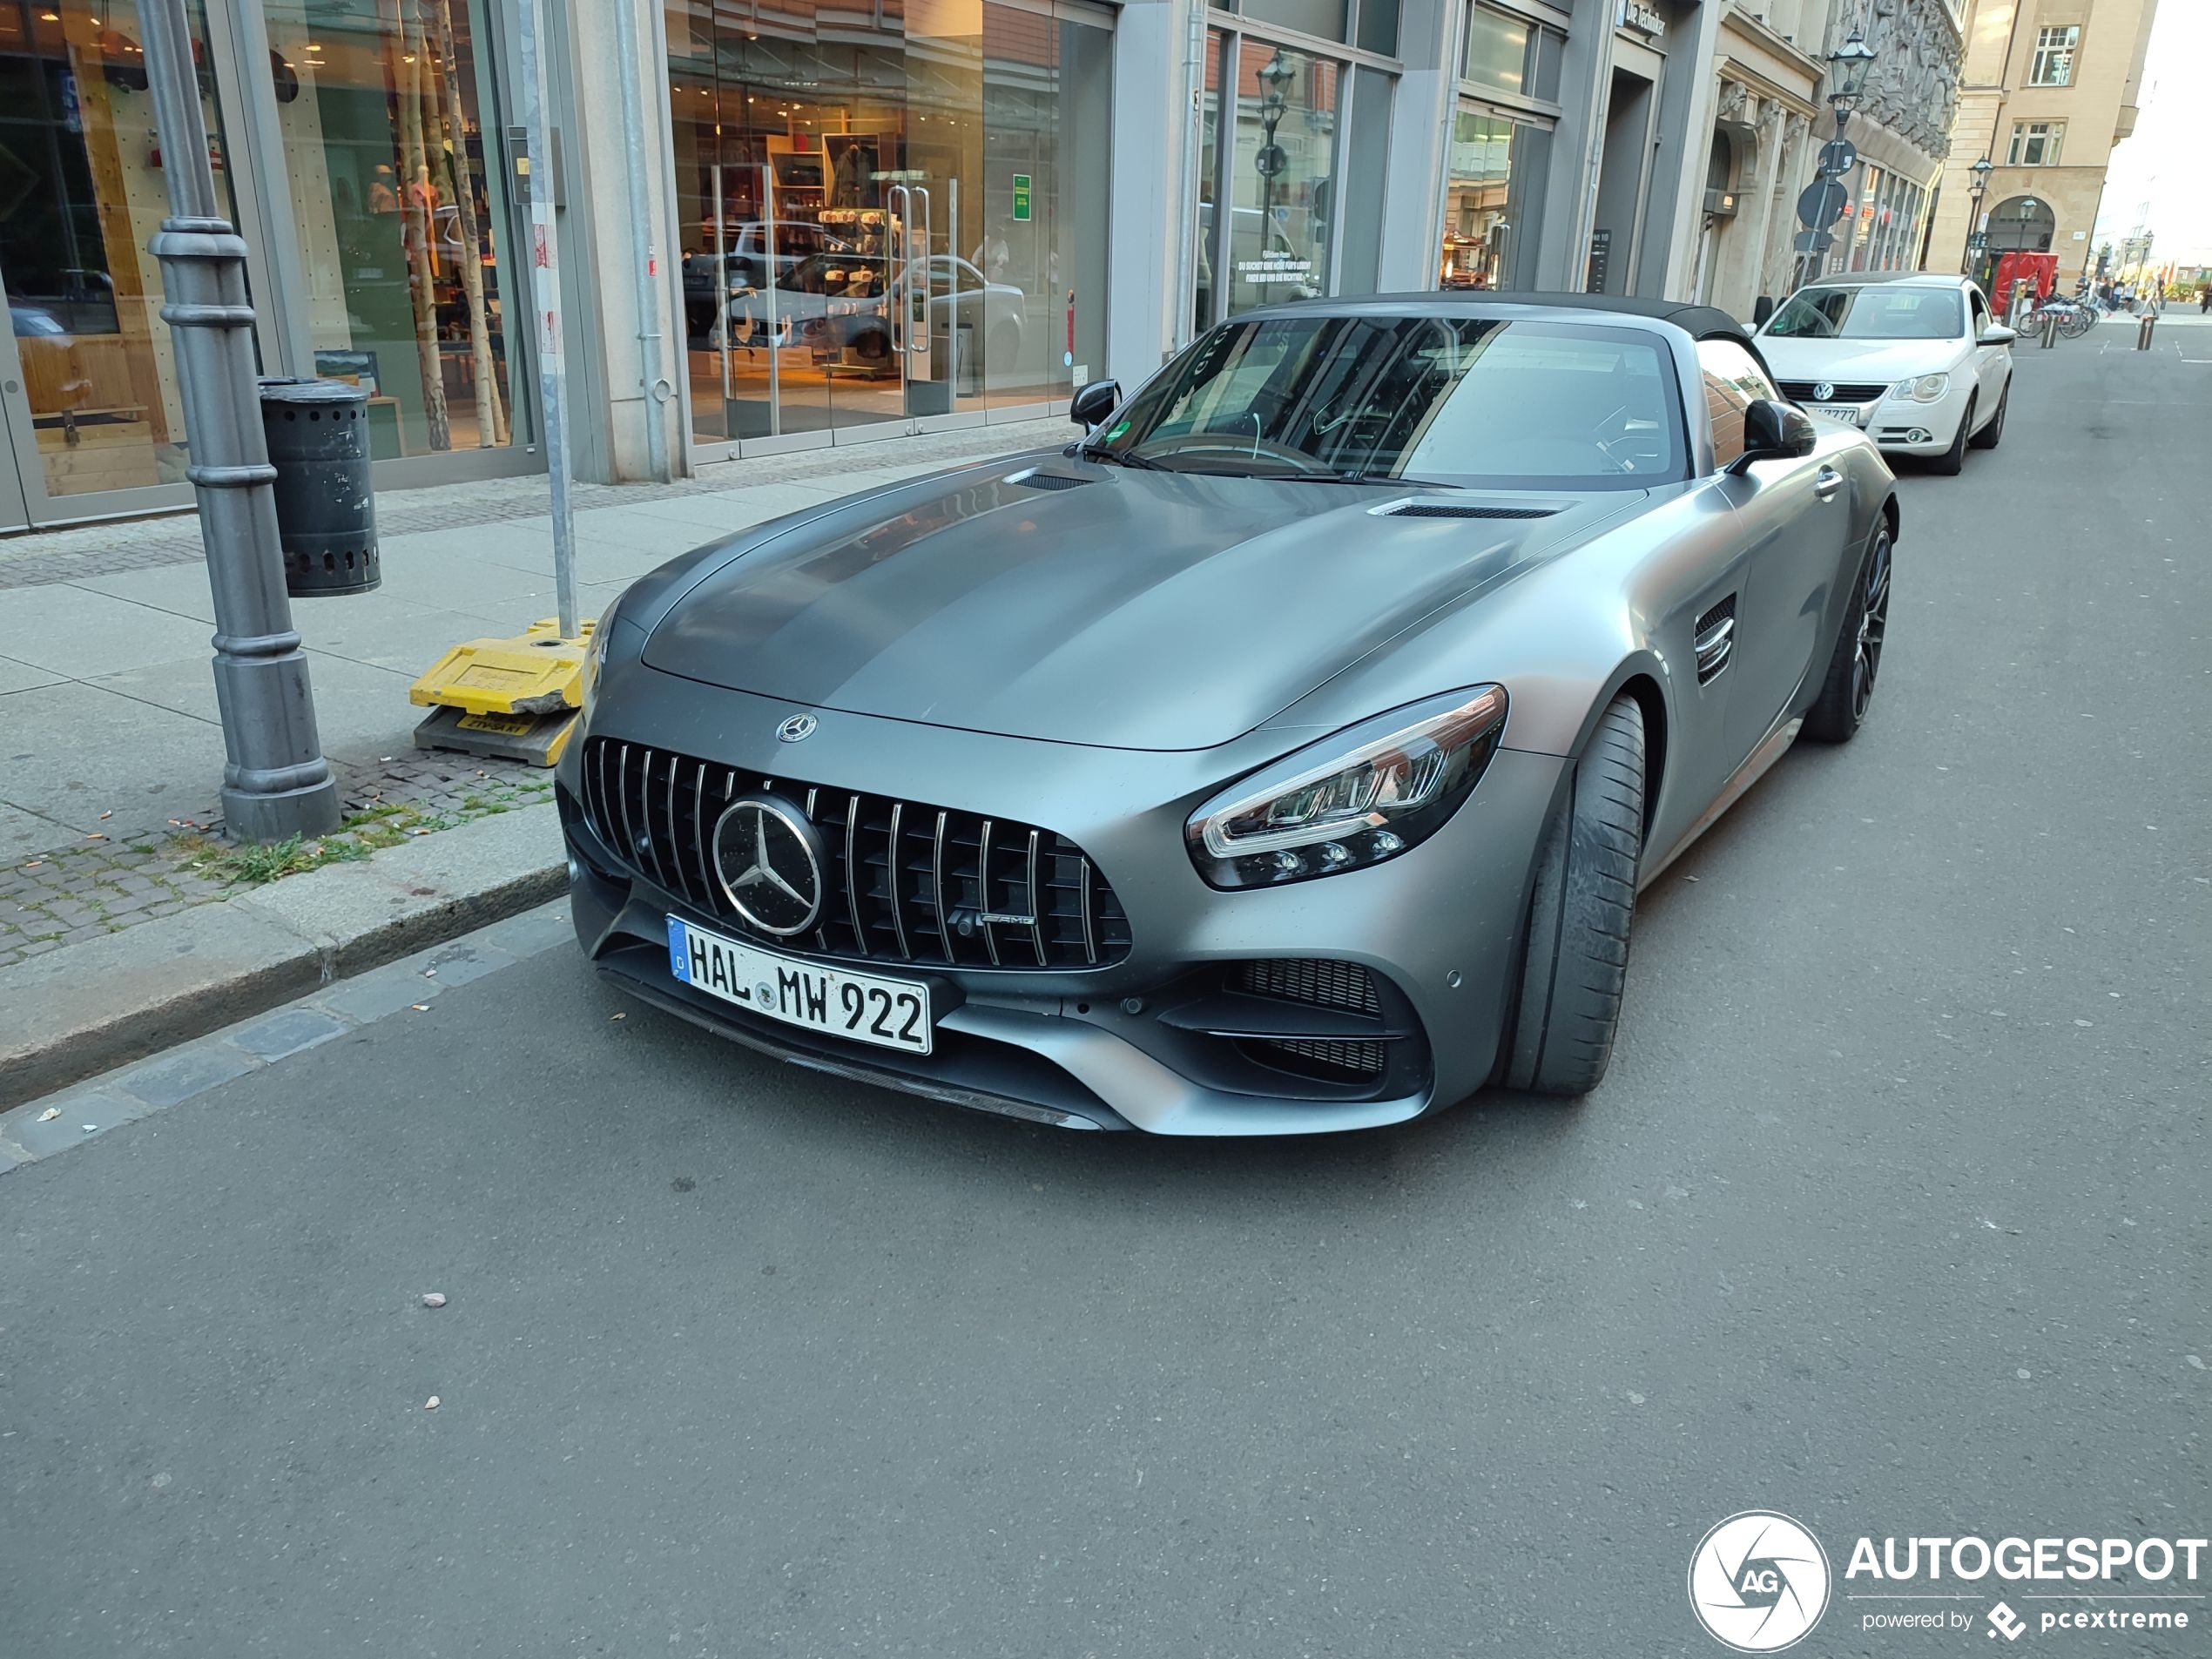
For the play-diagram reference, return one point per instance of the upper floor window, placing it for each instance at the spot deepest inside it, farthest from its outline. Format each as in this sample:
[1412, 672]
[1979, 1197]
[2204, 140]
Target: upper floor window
[1508, 54]
[2054, 62]
[2035, 144]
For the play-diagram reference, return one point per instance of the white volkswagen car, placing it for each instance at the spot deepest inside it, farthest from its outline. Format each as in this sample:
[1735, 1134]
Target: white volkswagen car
[1913, 359]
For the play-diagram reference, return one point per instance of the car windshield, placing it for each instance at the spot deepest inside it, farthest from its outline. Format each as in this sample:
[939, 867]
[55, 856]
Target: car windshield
[1463, 401]
[1878, 311]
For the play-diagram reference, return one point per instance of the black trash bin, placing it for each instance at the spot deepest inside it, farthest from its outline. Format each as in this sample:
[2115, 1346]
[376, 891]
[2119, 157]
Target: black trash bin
[318, 435]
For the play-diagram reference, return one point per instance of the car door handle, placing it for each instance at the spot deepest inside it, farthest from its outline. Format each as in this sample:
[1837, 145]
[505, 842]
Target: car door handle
[1826, 482]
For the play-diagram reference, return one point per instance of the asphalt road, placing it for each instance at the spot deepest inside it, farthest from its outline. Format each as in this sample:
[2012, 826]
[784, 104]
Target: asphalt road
[1892, 1216]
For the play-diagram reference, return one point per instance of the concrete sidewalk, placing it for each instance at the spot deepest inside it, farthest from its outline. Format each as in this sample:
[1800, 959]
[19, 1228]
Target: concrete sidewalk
[107, 704]
[110, 751]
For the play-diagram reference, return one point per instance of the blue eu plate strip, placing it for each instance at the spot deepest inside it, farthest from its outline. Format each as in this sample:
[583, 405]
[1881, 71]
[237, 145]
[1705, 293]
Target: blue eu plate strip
[679, 953]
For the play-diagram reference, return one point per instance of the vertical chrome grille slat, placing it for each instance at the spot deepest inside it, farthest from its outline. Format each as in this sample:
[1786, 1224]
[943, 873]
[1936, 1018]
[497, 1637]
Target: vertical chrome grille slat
[937, 889]
[1037, 905]
[1090, 929]
[851, 872]
[675, 840]
[983, 894]
[622, 799]
[891, 873]
[643, 817]
[821, 934]
[699, 849]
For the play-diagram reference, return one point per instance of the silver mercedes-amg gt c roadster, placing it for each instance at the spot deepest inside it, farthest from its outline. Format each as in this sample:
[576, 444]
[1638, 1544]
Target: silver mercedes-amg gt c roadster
[1286, 755]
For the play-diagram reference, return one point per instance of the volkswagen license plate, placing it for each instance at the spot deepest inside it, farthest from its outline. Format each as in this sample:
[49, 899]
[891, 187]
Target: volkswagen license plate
[1843, 412]
[865, 1007]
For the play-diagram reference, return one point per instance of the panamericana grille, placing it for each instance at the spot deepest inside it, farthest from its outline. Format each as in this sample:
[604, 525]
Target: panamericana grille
[1842, 391]
[903, 881]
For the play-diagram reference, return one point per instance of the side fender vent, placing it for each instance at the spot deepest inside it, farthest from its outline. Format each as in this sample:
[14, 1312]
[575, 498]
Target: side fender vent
[1454, 509]
[1715, 639]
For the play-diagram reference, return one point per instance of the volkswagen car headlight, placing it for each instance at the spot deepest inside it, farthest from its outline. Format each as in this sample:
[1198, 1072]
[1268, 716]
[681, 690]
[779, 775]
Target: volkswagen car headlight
[1927, 388]
[1355, 800]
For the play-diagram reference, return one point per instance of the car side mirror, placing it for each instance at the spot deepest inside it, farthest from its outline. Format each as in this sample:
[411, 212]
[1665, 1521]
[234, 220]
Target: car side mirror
[1774, 431]
[1998, 334]
[1095, 402]
[1762, 309]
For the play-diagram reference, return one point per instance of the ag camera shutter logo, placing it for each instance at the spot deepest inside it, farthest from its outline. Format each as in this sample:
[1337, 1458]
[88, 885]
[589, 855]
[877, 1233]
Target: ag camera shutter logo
[1758, 1582]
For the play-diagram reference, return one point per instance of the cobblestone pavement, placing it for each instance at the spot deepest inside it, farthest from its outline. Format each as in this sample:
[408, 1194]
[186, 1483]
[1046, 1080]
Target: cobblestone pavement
[85, 550]
[97, 886]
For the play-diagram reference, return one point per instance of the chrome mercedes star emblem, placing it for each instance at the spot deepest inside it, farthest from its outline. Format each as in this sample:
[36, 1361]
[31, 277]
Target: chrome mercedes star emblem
[798, 727]
[1823, 391]
[768, 857]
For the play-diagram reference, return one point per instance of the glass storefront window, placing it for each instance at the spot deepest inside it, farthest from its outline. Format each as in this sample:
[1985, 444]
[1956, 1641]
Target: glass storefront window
[81, 193]
[1280, 167]
[401, 221]
[1322, 17]
[1497, 59]
[1490, 172]
[886, 221]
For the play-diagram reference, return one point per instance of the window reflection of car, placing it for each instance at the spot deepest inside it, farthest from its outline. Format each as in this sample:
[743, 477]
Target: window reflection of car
[836, 301]
[745, 262]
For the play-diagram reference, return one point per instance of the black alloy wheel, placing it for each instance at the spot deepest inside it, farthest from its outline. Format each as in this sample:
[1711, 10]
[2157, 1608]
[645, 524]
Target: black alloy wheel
[1856, 662]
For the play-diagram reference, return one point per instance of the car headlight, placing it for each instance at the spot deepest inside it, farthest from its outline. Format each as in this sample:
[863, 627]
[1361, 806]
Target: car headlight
[1927, 388]
[1357, 799]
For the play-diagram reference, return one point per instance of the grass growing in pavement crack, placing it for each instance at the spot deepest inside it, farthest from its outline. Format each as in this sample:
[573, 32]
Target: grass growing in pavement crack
[388, 824]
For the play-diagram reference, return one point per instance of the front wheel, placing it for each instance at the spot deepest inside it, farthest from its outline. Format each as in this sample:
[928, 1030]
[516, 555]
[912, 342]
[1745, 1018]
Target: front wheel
[1576, 958]
[1845, 694]
[1952, 462]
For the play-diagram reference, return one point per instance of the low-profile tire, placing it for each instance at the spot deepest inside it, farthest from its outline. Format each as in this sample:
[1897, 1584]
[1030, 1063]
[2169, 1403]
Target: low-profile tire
[1952, 462]
[1848, 689]
[1576, 957]
[1988, 437]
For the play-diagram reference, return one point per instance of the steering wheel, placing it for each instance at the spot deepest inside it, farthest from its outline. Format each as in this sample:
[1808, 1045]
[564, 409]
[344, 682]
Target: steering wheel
[1234, 443]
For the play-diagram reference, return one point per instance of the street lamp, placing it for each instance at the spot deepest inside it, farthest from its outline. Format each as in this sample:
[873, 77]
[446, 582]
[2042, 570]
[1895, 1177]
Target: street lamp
[1847, 67]
[1981, 169]
[1824, 201]
[1273, 77]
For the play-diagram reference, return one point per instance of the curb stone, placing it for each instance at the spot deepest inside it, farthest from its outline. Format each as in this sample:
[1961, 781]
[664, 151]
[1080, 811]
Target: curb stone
[87, 1111]
[71, 1013]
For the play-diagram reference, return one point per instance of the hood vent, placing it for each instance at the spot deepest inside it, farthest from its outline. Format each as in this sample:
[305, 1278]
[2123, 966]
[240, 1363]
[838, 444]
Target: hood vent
[1035, 480]
[1454, 509]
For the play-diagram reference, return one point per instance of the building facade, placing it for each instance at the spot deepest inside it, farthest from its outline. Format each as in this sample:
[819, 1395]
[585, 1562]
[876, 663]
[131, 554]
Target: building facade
[791, 223]
[1771, 116]
[2050, 86]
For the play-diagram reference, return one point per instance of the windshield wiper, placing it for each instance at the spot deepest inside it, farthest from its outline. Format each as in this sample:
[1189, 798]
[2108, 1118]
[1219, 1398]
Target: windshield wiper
[1389, 480]
[1117, 457]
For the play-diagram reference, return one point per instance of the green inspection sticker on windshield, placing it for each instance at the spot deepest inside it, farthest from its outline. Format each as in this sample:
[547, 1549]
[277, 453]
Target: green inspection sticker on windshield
[1116, 431]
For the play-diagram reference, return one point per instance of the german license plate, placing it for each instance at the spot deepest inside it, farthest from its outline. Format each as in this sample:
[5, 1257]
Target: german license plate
[863, 1007]
[1843, 412]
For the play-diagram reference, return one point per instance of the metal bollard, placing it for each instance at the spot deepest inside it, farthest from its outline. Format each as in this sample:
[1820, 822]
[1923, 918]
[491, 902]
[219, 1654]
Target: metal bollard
[2142, 330]
[2050, 330]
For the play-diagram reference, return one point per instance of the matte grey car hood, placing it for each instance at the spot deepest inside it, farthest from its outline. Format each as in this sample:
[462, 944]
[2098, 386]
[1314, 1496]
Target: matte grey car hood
[1137, 610]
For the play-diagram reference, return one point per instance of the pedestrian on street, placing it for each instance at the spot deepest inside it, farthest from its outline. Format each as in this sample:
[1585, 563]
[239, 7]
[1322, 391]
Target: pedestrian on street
[2203, 297]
